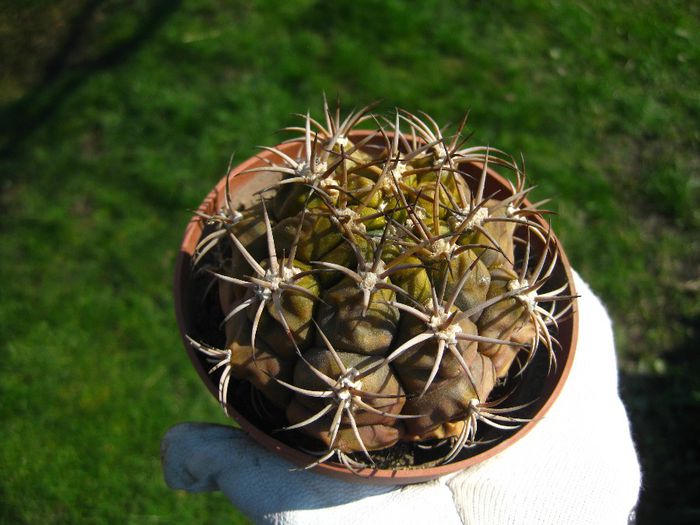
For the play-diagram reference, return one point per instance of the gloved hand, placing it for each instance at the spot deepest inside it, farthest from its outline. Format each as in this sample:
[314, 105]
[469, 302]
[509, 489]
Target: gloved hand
[577, 465]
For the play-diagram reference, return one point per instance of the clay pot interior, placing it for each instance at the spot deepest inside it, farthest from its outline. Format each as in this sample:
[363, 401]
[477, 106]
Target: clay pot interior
[199, 315]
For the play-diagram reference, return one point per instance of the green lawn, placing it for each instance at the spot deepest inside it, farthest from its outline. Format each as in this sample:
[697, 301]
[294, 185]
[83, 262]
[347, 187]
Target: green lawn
[117, 117]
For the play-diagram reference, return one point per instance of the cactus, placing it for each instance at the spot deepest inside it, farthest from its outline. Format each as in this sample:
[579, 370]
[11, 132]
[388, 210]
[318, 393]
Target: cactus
[375, 294]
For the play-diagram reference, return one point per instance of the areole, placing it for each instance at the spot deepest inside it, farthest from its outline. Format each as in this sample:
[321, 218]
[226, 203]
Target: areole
[243, 188]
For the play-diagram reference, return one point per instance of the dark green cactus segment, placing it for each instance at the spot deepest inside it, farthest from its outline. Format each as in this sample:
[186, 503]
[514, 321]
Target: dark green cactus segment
[350, 327]
[379, 389]
[500, 230]
[434, 192]
[415, 365]
[466, 277]
[503, 320]
[296, 310]
[359, 190]
[250, 231]
[371, 437]
[345, 255]
[412, 278]
[318, 235]
[450, 399]
[493, 230]
[292, 199]
[383, 289]
[372, 219]
[262, 368]
[445, 400]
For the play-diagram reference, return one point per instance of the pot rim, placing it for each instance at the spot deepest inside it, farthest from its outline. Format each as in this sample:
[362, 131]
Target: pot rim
[192, 234]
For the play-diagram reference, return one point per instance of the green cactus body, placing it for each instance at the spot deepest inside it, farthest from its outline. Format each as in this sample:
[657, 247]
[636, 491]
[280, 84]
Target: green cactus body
[375, 297]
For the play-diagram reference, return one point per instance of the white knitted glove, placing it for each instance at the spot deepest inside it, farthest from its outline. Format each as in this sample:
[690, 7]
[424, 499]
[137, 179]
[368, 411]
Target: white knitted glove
[577, 465]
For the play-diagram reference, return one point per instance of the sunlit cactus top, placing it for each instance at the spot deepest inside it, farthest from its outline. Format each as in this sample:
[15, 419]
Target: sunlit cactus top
[376, 293]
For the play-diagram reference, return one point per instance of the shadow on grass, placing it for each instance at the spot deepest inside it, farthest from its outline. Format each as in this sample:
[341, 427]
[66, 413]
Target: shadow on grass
[60, 77]
[664, 411]
[9, 513]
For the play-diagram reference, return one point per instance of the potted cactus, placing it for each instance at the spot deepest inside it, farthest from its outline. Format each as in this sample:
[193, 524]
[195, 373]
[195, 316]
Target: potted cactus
[372, 299]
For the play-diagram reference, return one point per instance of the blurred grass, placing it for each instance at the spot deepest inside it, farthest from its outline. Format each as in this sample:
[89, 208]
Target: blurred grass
[117, 118]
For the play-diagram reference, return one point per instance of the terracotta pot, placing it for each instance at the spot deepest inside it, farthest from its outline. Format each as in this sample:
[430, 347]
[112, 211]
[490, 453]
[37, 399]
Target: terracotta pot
[192, 318]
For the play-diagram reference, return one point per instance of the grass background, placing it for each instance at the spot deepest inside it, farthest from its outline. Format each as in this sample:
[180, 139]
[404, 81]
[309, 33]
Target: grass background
[117, 117]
